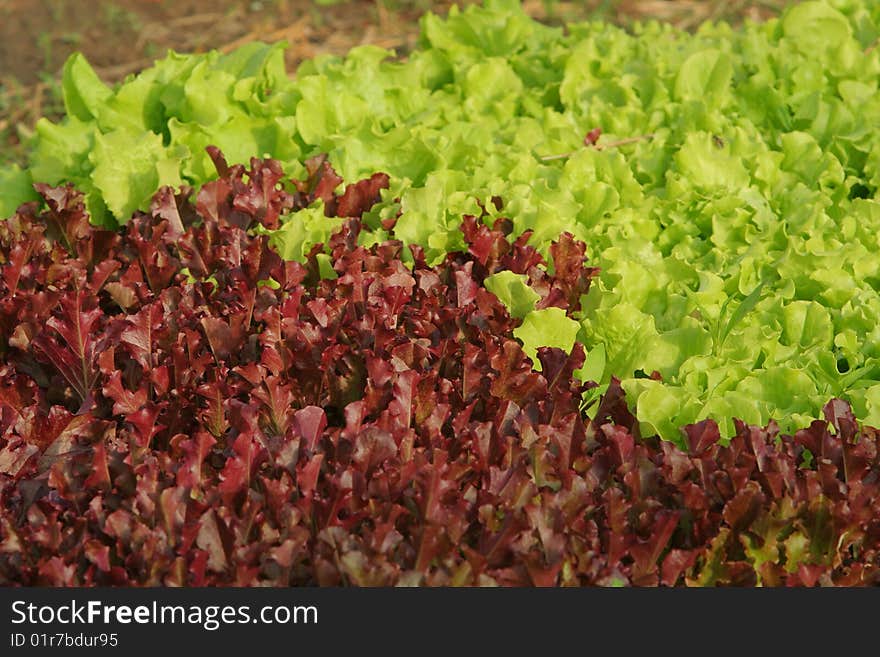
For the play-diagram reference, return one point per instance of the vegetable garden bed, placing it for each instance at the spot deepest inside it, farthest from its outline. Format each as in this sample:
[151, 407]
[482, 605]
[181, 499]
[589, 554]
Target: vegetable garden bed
[599, 308]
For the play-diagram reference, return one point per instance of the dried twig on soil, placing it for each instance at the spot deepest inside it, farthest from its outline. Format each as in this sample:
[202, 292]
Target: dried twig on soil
[296, 31]
[599, 147]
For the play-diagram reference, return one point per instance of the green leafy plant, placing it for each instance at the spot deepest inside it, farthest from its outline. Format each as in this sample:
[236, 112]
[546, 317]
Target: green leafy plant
[727, 187]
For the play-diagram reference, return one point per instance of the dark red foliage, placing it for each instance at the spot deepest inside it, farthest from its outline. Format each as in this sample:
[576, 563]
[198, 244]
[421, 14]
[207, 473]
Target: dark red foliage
[383, 427]
[592, 137]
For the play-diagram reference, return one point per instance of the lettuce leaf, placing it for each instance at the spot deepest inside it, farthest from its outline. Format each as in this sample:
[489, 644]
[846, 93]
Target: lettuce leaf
[730, 201]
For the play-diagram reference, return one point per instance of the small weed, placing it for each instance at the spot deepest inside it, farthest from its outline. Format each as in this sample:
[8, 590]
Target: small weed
[72, 38]
[120, 18]
[53, 96]
[56, 10]
[44, 43]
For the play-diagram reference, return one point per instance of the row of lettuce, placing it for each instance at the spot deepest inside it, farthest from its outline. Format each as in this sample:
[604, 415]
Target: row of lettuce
[181, 406]
[729, 200]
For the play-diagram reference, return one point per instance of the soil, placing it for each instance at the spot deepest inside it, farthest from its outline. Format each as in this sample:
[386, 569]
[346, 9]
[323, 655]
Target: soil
[122, 36]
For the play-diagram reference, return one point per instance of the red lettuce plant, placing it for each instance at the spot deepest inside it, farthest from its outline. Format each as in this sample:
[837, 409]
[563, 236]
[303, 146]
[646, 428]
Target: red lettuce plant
[180, 406]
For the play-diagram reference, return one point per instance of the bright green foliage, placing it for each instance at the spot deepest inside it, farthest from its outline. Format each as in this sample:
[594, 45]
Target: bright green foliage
[546, 328]
[296, 237]
[15, 189]
[513, 291]
[120, 145]
[737, 237]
